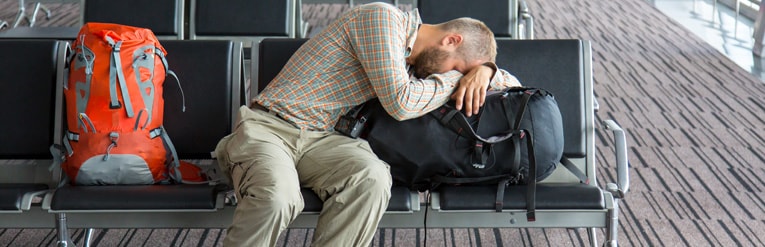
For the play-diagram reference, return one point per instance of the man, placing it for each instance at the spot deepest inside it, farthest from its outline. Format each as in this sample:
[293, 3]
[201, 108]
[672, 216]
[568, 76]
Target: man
[285, 140]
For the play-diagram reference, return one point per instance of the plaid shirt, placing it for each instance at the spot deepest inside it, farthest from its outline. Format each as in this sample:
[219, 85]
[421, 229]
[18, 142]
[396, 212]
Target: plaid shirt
[358, 57]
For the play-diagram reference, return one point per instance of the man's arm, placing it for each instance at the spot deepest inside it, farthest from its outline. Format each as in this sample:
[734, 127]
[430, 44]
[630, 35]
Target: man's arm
[472, 88]
[377, 38]
[501, 79]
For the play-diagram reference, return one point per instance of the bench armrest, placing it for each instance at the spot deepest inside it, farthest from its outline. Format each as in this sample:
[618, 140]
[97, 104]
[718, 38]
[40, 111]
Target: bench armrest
[622, 166]
[529, 20]
[595, 104]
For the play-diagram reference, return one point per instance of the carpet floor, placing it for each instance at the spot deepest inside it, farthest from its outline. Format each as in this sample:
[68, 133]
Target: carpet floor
[695, 125]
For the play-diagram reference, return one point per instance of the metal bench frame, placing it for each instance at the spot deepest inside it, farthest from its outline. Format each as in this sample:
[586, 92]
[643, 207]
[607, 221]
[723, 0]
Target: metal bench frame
[421, 212]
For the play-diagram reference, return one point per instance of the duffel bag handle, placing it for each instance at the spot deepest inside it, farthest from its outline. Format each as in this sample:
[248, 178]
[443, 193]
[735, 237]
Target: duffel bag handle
[457, 122]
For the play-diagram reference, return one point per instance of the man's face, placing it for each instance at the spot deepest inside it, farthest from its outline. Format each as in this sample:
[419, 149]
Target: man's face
[431, 61]
[435, 60]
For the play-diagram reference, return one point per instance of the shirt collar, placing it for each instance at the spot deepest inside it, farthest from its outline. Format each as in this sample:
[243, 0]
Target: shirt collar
[413, 22]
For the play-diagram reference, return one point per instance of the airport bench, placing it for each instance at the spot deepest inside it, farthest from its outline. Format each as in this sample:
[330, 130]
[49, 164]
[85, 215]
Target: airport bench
[29, 72]
[565, 200]
[508, 19]
[570, 198]
[210, 72]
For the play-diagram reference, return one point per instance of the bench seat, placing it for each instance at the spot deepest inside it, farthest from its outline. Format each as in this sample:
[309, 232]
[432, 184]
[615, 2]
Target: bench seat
[549, 196]
[175, 197]
[29, 69]
[400, 200]
[12, 195]
[137, 197]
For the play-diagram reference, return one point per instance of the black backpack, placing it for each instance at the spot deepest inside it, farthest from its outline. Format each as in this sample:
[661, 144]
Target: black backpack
[491, 147]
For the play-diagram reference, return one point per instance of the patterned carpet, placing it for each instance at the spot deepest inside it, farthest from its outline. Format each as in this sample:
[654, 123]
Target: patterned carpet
[694, 123]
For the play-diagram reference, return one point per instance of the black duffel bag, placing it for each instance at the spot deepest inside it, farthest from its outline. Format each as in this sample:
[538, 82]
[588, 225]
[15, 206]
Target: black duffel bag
[491, 147]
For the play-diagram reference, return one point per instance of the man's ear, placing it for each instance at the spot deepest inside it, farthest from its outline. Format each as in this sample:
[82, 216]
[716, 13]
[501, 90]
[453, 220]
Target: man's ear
[452, 40]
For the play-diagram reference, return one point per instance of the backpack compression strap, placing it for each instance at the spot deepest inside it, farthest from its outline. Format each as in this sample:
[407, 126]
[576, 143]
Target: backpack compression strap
[83, 59]
[174, 167]
[117, 76]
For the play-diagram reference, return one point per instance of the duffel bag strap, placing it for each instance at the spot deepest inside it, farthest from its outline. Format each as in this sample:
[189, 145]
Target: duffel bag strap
[532, 179]
[531, 193]
[521, 109]
[453, 180]
[481, 152]
[499, 202]
[575, 170]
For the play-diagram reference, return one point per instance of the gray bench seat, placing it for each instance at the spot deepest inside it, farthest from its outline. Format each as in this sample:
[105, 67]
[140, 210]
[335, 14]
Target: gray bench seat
[549, 196]
[400, 200]
[137, 197]
[30, 72]
[12, 195]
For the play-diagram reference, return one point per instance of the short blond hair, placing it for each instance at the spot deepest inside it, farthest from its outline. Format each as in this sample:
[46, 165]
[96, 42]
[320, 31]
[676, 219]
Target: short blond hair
[477, 39]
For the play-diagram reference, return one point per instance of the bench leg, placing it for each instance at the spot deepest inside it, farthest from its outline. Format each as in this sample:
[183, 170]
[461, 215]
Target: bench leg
[21, 15]
[88, 236]
[63, 234]
[612, 229]
[39, 6]
[593, 236]
[31, 19]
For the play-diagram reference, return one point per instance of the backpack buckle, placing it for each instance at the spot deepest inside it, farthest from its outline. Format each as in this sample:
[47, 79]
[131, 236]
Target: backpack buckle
[114, 137]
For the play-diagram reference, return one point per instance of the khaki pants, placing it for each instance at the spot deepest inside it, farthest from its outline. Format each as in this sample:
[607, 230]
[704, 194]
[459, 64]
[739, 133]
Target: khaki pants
[270, 159]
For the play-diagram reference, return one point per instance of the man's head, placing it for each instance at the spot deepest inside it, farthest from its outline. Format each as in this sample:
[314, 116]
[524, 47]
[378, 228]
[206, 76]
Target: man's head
[459, 44]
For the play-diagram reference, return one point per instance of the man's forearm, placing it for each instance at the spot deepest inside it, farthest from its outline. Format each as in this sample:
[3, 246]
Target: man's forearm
[420, 96]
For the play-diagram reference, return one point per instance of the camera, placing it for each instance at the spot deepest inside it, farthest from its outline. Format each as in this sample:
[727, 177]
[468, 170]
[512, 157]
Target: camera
[350, 125]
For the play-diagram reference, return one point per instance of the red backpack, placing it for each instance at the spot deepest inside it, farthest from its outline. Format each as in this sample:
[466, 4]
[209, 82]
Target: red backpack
[114, 109]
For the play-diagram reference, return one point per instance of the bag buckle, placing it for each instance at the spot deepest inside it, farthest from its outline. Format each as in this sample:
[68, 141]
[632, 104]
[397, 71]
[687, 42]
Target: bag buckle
[114, 137]
[478, 155]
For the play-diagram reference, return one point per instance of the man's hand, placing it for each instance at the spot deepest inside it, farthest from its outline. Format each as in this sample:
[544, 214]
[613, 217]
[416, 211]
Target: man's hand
[472, 88]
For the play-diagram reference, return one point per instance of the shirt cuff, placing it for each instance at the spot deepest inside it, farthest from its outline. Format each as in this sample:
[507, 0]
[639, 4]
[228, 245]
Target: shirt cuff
[494, 68]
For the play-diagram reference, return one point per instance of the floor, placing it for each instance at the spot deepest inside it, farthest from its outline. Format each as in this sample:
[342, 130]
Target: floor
[694, 123]
[718, 27]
